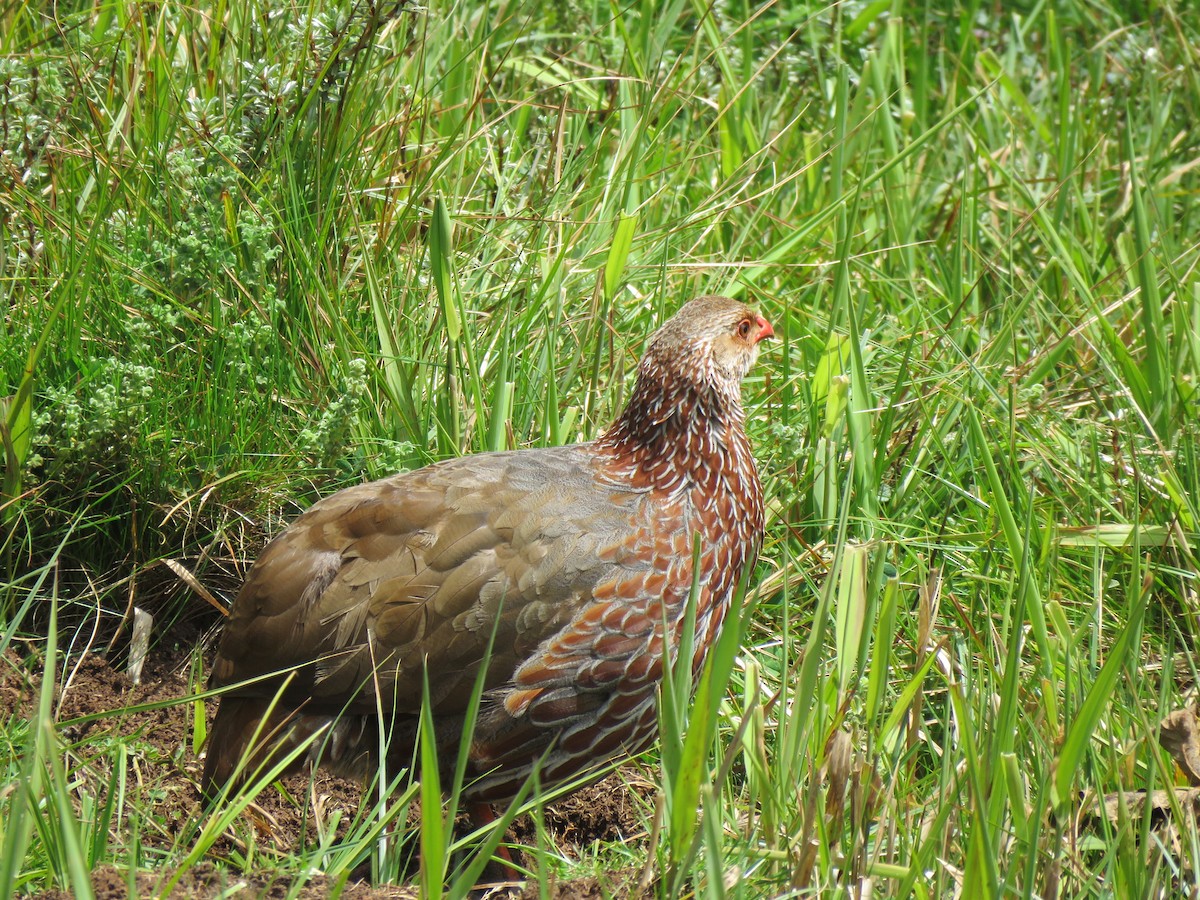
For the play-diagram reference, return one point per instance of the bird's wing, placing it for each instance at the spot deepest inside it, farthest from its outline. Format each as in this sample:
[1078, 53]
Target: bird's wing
[375, 585]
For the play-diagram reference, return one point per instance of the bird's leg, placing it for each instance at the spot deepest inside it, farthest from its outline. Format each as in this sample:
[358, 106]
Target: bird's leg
[482, 814]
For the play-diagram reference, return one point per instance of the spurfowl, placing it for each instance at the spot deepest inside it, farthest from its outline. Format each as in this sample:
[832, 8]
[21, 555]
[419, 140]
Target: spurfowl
[570, 560]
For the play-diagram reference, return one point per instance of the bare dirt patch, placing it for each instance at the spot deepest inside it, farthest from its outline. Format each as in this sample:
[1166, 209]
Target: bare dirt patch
[208, 880]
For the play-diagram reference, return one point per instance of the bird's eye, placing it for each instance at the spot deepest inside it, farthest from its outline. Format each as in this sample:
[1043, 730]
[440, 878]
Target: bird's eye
[744, 328]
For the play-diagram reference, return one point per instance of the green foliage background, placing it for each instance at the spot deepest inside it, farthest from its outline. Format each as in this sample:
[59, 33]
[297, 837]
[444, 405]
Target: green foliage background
[250, 253]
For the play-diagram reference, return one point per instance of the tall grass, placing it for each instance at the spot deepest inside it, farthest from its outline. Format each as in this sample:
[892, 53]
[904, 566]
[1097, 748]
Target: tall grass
[250, 253]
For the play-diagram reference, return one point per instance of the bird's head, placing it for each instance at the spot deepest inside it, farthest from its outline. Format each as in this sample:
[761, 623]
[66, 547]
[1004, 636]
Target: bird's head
[711, 341]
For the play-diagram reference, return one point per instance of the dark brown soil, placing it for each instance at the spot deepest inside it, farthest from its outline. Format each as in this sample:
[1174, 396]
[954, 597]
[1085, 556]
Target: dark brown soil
[96, 699]
[207, 880]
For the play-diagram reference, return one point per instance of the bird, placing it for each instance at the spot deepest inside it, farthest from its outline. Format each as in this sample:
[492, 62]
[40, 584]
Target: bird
[565, 571]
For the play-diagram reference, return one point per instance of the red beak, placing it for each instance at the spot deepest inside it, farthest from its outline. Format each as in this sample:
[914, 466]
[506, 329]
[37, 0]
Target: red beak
[764, 329]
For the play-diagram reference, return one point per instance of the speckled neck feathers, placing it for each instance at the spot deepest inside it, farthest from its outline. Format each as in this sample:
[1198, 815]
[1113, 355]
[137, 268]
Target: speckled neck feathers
[683, 425]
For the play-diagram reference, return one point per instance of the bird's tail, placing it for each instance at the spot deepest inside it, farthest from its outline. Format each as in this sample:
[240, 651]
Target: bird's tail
[248, 739]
